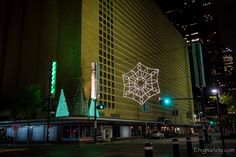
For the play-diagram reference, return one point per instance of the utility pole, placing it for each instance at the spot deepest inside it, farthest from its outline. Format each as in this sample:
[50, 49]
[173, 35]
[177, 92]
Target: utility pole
[94, 93]
[199, 75]
[218, 107]
[51, 92]
[48, 117]
[204, 115]
[95, 122]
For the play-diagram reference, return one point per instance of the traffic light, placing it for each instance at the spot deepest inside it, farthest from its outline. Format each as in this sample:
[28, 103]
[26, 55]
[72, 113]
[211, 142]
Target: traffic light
[165, 101]
[211, 122]
[100, 107]
[53, 77]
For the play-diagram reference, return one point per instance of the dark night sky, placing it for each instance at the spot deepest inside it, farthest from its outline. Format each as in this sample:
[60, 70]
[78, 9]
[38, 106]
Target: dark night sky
[227, 23]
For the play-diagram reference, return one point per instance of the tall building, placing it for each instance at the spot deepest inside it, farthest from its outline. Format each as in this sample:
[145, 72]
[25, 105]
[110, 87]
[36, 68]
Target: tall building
[197, 21]
[117, 34]
[229, 67]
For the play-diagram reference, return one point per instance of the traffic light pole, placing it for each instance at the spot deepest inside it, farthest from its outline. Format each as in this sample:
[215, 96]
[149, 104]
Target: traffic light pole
[95, 122]
[94, 93]
[204, 115]
[49, 103]
[48, 116]
[51, 93]
[219, 112]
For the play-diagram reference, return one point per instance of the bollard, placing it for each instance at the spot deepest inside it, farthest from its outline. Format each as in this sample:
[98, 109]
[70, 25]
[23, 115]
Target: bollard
[201, 142]
[189, 146]
[148, 149]
[175, 147]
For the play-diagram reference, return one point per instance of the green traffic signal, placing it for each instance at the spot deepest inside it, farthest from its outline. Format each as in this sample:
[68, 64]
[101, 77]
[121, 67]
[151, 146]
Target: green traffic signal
[211, 122]
[100, 107]
[166, 101]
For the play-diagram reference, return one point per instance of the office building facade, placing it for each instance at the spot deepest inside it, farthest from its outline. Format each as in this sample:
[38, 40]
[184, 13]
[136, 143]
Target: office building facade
[115, 34]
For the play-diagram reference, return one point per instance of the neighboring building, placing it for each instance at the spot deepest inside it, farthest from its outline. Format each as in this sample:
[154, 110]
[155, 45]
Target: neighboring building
[115, 33]
[197, 21]
[229, 67]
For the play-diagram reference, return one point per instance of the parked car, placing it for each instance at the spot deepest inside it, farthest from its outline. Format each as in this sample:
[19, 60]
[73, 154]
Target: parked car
[169, 134]
[157, 134]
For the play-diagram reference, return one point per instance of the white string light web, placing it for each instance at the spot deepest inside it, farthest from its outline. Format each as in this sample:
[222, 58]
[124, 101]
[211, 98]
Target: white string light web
[141, 83]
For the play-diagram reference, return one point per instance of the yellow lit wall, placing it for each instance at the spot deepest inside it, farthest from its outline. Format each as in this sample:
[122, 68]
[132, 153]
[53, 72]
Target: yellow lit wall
[140, 32]
[89, 42]
[115, 33]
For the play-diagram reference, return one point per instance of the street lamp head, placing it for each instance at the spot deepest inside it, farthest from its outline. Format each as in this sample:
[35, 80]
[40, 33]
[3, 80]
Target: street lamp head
[214, 91]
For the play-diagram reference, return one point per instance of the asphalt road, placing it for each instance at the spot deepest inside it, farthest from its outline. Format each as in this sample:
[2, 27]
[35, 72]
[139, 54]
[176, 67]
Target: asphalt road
[130, 148]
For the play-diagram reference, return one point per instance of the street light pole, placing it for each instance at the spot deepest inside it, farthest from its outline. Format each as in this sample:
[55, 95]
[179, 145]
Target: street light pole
[48, 117]
[95, 122]
[204, 115]
[218, 107]
[94, 93]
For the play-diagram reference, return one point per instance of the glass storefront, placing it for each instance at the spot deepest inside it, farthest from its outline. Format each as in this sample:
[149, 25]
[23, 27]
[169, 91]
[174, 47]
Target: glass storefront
[71, 133]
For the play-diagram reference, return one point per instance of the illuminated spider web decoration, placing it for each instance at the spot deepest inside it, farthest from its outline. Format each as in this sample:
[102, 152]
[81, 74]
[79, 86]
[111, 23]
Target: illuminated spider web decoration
[141, 83]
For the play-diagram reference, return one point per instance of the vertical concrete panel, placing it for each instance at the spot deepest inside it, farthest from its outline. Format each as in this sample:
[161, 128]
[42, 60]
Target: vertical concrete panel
[10, 132]
[10, 81]
[21, 134]
[53, 133]
[68, 52]
[30, 44]
[125, 131]
[4, 24]
[48, 40]
[38, 133]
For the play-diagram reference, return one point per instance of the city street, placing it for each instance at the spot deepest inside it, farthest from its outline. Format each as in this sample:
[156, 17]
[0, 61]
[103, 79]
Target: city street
[117, 78]
[129, 148]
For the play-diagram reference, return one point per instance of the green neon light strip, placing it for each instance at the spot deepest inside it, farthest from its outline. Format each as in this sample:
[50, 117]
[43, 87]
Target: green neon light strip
[53, 77]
